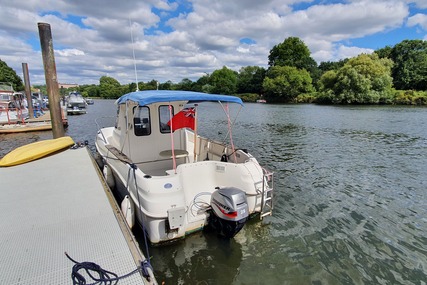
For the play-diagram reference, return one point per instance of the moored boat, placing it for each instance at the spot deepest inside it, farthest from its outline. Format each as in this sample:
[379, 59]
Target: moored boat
[177, 181]
[12, 105]
[76, 104]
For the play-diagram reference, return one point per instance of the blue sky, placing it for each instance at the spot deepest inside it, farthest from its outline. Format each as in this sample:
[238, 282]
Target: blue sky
[181, 39]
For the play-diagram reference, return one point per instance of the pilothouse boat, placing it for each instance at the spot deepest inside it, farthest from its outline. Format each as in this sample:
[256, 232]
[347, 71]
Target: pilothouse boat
[171, 180]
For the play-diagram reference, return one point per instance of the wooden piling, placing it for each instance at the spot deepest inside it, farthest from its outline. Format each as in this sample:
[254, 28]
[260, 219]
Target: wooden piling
[51, 79]
[28, 90]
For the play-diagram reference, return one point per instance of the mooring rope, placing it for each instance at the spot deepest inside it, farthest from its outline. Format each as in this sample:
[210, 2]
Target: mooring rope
[100, 275]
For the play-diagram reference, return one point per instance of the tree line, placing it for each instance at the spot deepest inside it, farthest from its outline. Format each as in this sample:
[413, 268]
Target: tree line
[391, 75]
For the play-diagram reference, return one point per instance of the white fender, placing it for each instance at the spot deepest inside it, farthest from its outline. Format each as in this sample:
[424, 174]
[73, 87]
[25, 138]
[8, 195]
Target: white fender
[108, 175]
[128, 211]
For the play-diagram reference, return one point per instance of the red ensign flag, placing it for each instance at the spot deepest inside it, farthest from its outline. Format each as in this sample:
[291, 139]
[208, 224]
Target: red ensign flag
[184, 119]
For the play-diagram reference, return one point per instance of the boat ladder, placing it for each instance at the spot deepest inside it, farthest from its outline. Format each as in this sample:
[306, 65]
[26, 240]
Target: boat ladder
[266, 192]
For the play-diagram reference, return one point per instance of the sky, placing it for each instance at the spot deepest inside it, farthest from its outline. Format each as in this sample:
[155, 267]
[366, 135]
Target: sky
[178, 39]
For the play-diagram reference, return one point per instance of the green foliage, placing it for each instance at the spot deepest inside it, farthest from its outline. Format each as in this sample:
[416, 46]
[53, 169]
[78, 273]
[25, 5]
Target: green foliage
[364, 79]
[249, 97]
[410, 97]
[325, 66]
[110, 88]
[166, 86]
[203, 84]
[306, 98]
[410, 69]
[90, 91]
[8, 75]
[384, 52]
[224, 81]
[292, 52]
[285, 83]
[42, 88]
[250, 79]
[185, 84]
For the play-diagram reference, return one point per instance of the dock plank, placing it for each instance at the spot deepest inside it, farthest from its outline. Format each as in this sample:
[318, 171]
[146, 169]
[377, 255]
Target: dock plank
[53, 205]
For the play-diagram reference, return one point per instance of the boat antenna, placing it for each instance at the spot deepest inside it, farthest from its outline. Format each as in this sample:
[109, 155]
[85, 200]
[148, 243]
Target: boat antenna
[133, 52]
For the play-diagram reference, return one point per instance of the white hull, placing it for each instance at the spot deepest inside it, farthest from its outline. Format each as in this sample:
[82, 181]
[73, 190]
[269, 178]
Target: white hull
[171, 203]
[12, 115]
[76, 105]
[8, 116]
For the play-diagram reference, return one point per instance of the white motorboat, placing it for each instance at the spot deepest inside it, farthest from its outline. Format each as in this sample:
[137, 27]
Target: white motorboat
[76, 104]
[12, 105]
[176, 182]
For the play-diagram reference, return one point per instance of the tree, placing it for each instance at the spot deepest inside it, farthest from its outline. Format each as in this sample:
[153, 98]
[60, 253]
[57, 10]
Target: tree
[89, 90]
[410, 69]
[152, 85]
[250, 79]
[325, 66]
[285, 83]
[224, 81]
[384, 52]
[292, 52]
[110, 88]
[365, 79]
[8, 75]
[185, 84]
[203, 84]
[166, 85]
[132, 87]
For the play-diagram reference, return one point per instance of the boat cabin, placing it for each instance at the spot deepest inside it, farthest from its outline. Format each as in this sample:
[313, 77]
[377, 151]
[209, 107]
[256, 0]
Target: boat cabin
[148, 127]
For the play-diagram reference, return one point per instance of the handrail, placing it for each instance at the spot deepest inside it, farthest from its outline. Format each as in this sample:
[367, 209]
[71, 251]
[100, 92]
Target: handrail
[18, 111]
[99, 127]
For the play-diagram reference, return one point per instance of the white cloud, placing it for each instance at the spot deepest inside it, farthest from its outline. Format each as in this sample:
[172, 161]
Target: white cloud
[343, 52]
[70, 52]
[195, 41]
[343, 21]
[418, 19]
[422, 4]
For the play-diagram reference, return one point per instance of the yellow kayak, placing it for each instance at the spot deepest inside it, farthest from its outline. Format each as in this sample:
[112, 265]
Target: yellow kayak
[35, 151]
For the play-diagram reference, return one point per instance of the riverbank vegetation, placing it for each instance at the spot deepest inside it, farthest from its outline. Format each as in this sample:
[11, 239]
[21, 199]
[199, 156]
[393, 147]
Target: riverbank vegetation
[391, 75]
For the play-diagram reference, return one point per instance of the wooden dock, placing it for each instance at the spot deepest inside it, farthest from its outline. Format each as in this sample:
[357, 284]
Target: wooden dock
[42, 123]
[61, 204]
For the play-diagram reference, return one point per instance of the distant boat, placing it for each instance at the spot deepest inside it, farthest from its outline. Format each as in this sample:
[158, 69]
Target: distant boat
[89, 101]
[76, 104]
[178, 182]
[261, 101]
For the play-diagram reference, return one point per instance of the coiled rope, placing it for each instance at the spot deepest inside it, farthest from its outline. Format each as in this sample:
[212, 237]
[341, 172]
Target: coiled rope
[100, 275]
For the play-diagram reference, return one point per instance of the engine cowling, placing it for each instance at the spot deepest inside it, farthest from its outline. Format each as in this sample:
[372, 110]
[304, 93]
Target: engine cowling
[229, 211]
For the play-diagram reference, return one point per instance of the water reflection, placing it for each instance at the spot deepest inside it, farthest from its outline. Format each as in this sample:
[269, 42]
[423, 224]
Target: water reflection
[201, 258]
[350, 198]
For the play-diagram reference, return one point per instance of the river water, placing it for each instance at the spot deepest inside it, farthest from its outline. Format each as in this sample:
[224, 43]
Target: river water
[350, 197]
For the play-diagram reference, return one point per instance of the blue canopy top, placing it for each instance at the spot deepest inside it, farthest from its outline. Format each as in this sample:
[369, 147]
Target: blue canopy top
[155, 96]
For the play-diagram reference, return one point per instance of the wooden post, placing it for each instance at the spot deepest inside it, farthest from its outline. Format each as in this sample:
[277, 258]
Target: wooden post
[51, 79]
[28, 90]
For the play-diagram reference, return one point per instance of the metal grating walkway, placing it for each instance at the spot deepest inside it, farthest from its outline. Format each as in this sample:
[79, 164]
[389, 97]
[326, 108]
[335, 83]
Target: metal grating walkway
[53, 205]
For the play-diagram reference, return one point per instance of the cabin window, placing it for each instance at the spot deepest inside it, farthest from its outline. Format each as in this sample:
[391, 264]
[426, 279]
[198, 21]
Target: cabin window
[141, 121]
[164, 117]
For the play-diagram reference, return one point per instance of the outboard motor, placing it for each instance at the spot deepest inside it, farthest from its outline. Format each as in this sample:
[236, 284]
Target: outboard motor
[229, 211]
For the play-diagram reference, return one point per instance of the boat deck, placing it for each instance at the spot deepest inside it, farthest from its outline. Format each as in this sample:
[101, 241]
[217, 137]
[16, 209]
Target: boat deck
[59, 204]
